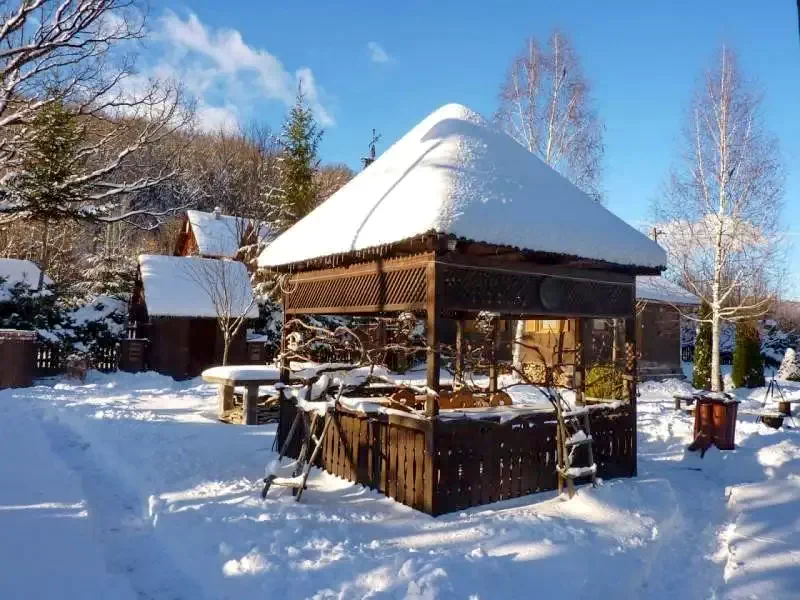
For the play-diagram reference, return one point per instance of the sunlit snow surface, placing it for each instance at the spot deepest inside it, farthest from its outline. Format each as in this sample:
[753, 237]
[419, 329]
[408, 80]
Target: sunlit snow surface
[127, 487]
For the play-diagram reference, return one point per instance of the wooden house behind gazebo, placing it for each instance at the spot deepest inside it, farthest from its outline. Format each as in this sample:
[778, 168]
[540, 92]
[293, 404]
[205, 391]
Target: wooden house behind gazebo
[216, 235]
[659, 303]
[172, 310]
[454, 220]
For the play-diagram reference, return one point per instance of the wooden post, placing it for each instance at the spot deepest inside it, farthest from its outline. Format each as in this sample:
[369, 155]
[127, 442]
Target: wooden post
[429, 483]
[224, 399]
[432, 331]
[460, 351]
[249, 405]
[579, 376]
[493, 331]
[284, 361]
[630, 377]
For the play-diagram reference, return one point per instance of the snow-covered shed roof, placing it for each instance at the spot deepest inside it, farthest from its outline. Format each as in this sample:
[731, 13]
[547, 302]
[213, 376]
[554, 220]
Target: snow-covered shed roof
[219, 235]
[455, 173]
[178, 286]
[14, 271]
[659, 289]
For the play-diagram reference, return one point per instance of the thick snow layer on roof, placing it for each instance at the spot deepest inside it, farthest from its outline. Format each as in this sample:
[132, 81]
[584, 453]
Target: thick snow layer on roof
[14, 271]
[455, 173]
[179, 286]
[219, 235]
[660, 289]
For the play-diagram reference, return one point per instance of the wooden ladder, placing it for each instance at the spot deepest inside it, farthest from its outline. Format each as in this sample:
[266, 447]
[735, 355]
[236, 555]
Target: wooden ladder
[573, 431]
[294, 474]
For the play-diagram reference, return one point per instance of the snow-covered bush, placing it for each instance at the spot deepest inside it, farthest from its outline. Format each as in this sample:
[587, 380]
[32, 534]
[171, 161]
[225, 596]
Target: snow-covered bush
[84, 327]
[790, 367]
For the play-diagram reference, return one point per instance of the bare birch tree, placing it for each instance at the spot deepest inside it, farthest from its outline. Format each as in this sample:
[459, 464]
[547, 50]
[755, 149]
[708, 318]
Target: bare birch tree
[545, 105]
[227, 284]
[74, 56]
[720, 213]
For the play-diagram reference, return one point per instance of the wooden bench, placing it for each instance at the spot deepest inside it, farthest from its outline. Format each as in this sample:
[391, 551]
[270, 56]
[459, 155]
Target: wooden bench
[687, 398]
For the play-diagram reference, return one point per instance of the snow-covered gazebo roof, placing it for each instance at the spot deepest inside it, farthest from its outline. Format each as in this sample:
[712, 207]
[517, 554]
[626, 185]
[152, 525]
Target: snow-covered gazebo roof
[177, 286]
[456, 174]
[218, 235]
[14, 271]
[659, 289]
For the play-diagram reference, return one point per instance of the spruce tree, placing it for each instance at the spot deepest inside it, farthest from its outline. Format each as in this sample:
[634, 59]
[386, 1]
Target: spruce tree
[50, 160]
[748, 365]
[299, 142]
[701, 376]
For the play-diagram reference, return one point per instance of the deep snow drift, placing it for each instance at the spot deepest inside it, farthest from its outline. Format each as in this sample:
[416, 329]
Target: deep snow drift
[127, 487]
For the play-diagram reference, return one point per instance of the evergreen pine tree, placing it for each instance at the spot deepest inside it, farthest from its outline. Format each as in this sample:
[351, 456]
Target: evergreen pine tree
[701, 376]
[50, 160]
[299, 141]
[748, 365]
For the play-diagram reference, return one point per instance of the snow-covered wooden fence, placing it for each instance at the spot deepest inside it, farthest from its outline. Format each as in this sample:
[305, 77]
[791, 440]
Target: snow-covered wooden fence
[444, 465]
[51, 360]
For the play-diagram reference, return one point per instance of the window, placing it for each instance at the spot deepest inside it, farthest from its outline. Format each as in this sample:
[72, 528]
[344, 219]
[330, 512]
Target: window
[547, 326]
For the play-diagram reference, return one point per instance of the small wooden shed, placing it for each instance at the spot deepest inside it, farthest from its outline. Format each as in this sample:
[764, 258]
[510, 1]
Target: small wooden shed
[454, 220]
[173, 308]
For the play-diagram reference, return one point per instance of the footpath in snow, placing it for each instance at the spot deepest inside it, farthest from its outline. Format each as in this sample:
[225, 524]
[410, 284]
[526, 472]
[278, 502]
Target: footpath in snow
[127, 487]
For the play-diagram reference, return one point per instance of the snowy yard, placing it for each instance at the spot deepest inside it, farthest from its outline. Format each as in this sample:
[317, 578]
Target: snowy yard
[127, 487]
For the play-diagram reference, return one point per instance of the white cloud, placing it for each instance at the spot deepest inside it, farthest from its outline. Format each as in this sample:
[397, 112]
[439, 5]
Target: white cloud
[219, 62]
[377, 53]
[217, 118]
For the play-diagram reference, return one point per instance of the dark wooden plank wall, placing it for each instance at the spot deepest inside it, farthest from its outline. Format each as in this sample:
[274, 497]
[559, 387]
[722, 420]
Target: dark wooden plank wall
[383, 453]
[473, 462]
[659, 336]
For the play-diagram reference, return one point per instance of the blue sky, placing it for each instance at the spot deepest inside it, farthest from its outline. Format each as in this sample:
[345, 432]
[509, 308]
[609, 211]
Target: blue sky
[374, 64]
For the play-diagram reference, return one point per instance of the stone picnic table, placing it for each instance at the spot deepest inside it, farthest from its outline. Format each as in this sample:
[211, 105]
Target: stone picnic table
[250, 377]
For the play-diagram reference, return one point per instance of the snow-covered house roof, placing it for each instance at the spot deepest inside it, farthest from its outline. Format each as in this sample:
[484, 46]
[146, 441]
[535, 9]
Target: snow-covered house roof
[218, 235]
[659, 289]
[455, 173]
[14, 271]
[178, 286]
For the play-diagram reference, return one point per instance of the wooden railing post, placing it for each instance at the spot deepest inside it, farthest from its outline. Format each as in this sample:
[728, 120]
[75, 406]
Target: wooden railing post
[284, 361]
[460, 351]
[579, 376]
[630, 379]
[433, 361]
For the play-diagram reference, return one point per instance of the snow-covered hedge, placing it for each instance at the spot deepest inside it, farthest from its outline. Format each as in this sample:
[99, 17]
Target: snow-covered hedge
[80, 326]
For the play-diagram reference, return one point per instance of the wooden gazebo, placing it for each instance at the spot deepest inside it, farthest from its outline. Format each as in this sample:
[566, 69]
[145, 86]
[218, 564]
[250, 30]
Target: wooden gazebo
[454, 220]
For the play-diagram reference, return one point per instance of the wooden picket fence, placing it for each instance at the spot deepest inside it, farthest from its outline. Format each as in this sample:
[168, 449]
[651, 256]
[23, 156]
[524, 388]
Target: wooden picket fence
[51, 361]
[444, 465]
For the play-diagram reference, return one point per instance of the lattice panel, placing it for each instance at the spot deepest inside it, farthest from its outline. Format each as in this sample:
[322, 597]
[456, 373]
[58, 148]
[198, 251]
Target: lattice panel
[393, 290]
[476, 289]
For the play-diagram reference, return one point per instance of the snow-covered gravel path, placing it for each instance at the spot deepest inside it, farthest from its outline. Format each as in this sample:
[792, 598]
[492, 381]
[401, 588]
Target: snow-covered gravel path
[127, 487]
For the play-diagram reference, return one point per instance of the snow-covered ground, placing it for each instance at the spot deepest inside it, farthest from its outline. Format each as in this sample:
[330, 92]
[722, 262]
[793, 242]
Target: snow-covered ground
[127, 487]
